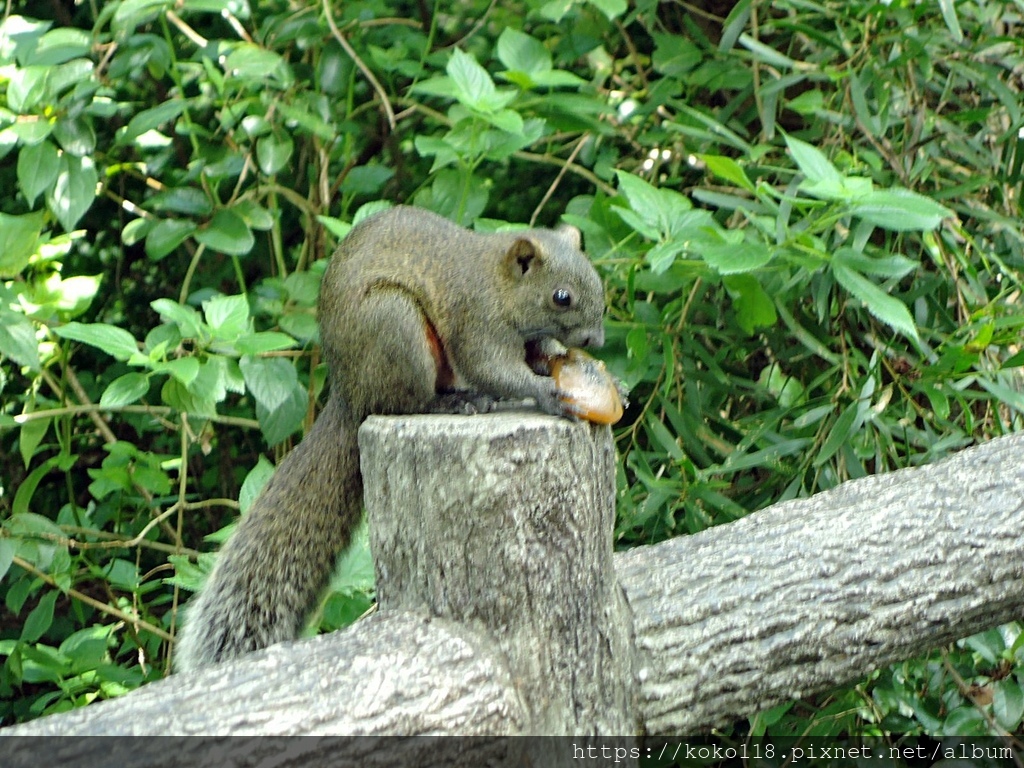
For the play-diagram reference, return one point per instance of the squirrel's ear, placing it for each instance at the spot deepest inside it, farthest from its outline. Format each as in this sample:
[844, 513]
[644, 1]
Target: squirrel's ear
[523, 256]
[572, 234]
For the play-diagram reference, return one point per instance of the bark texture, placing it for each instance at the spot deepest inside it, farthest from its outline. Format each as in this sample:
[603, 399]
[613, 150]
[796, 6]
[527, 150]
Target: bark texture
[506, 522]
[399, 674]
[813, 593]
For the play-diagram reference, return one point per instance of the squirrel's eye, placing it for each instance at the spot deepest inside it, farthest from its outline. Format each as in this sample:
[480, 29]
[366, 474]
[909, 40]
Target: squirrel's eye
[561, 297]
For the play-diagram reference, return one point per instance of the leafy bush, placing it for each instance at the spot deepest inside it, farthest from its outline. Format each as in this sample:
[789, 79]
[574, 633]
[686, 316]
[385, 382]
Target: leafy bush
[808, 220]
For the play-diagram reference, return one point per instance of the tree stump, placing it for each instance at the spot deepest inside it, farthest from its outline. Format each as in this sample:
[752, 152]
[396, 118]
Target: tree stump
[504, 522]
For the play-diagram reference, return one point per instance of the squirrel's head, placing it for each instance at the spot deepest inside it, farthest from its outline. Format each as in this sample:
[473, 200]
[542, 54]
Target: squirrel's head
[556, 291]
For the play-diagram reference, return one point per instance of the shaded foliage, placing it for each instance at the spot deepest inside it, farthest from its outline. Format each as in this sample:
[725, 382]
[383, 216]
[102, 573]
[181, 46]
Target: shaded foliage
[807, 216]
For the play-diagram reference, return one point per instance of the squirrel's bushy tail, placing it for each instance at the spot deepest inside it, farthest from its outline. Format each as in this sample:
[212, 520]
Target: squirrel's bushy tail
[261, 591]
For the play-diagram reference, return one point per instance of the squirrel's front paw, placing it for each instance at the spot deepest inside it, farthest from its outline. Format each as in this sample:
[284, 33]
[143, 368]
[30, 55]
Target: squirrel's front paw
[557, 402]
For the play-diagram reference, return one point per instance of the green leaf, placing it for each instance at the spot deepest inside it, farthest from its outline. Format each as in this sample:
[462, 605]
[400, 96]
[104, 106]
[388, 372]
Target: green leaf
[728, 169]
[18, 340]
[228, 233]
[122, 574]
[29, 438]
[734, 25]
[753, 306]
[948, 9]
[900, 210]
[612, 9]
[664, 254]
[265, 341]
[249, 61]
[299, 325]
[271, 380]
[27, 132]
[227, 316]
[40, 618]
[557, 78]
[283, 420]
[70, 74]
[1007, 703]
[253, 484]
[75, 135]
[73, 190]
[132, 13]
[124, 390]
[891, 265]
[367, 179]
[442, 86]
[115, 341]
[60, 45]
[786, 389]
[273, 152]
[888, 310]
[336, 227]
[37, 169]
[183, 369]
[218, 375]
[963, 721]
[308, 120]
[813, 164]
[191, 575]
[661, 210]
[766, 53]
[150, 119]
[807, 103]
[20, 36]
[354, 571]
[167, 235]
[179, 397]
[475, 87]
[19, 238]
[255, 215]
[1004, 394]
[72, 296]
[135, 230]
[644, 200]
[674, 55]
[7, 551]
[522, 53]
[26, 88]
[555, 10]
[87, 647]
[728, 259]
[507, 120]
[840, 434]
[185, 317]
[186, 200]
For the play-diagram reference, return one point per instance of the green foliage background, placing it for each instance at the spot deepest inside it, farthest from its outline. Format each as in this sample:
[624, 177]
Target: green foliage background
[807, 215]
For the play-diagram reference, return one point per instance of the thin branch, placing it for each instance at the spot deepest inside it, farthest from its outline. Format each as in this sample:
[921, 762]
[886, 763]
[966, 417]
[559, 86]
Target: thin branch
[374, 83]
[558, 178]
[99, 606]
[198, 40]
[585, 173]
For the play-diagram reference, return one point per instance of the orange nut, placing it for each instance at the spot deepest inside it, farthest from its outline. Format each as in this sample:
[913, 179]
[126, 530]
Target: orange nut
[588, 386]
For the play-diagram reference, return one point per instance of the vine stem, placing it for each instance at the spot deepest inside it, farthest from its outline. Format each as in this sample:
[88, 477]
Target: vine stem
[99, 606]
[374, 83]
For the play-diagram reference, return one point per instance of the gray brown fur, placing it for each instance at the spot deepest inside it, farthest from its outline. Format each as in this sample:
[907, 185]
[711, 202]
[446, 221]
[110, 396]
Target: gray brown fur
[486, 295]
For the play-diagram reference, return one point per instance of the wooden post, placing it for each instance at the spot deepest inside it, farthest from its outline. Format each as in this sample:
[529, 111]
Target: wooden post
[504, 522]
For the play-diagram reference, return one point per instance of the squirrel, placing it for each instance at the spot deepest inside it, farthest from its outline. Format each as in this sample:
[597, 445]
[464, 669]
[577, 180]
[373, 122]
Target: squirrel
[416, 315]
